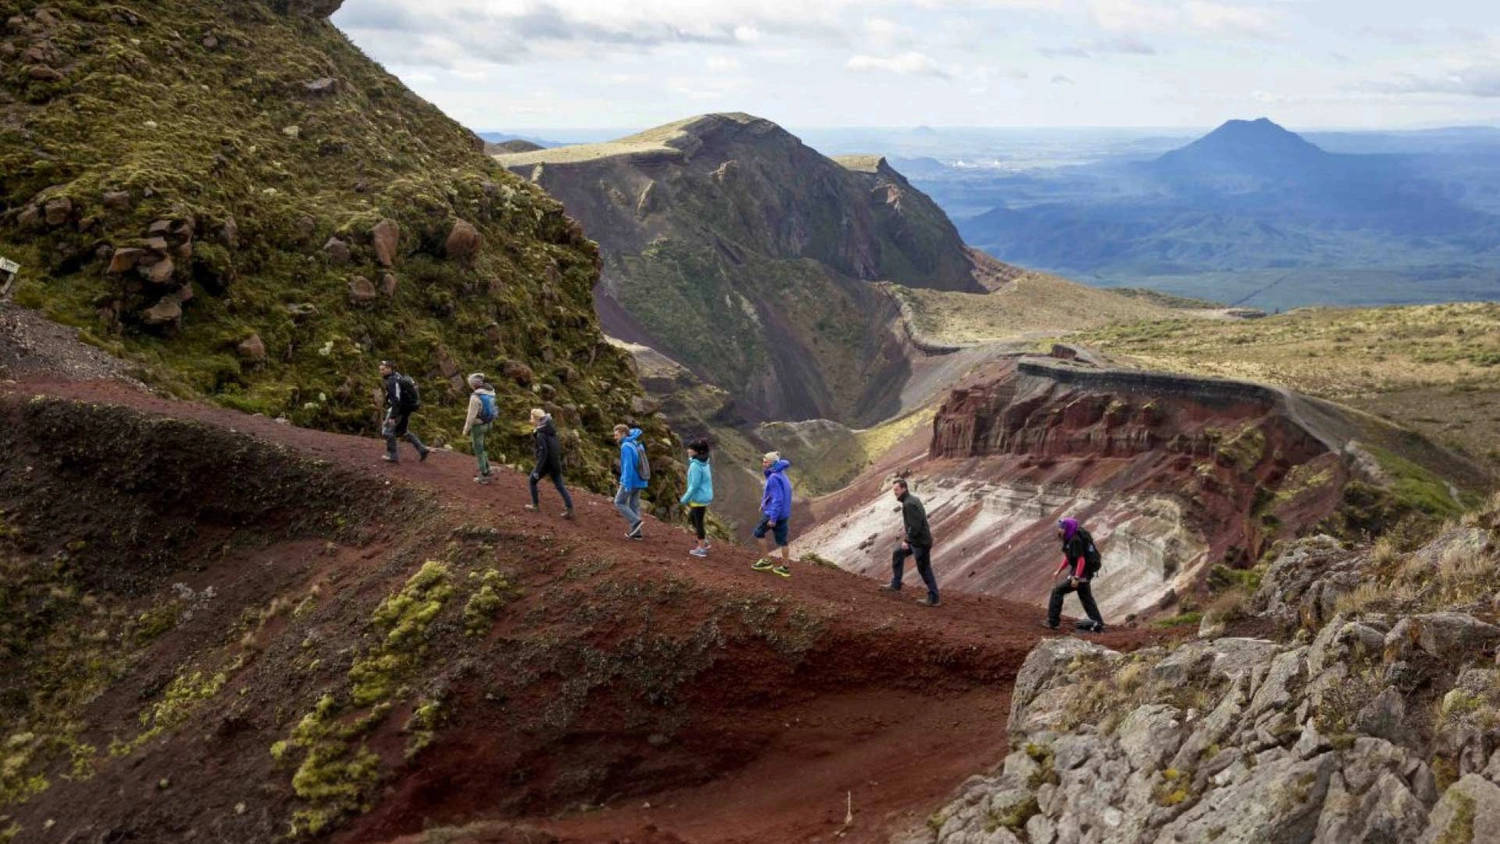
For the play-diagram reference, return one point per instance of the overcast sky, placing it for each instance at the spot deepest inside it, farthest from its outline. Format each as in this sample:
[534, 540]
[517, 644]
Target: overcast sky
[540, 64]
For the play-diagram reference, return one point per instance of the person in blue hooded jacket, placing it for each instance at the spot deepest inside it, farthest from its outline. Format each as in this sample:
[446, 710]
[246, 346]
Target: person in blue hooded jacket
[776, 514]
[632, 480]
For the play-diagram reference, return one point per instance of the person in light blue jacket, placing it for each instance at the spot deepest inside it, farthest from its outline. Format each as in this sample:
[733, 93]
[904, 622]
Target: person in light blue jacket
[699, 494]
[635, 472]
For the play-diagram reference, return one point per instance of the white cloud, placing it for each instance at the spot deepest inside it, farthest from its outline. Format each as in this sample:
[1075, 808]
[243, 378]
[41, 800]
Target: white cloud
[1199, 17]
[905, 64]
[1474, 81]
[721, 63]
[1059, 79]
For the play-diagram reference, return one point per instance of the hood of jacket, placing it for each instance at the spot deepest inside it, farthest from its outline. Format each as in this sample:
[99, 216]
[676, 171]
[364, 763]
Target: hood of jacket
[634, 435]
[779, 466]
[545, 425]
[1069, 528]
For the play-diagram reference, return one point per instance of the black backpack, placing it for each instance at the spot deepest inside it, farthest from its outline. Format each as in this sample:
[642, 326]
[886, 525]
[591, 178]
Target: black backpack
[411, 397]
[1091, 560]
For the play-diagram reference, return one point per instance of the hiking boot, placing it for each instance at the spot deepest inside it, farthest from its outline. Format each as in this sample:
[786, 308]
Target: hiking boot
[531, 508]
[930, 602]
[389, 458]
[698, 552]
[763, 564]
[635, 531]
[482, 480]
[422, 455]
[568, 514]
[1047, 624]
[782, 571]
[887, 587]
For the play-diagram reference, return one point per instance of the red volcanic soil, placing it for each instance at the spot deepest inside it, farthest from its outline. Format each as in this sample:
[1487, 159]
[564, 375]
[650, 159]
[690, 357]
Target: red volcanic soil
[772, 729]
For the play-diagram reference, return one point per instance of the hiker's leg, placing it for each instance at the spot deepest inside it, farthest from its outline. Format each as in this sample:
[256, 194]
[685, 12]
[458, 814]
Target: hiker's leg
[391, 432]
[898, 565]
[924, 568]
[1086, 597]
[696, 516]
[416, 442]
[622, 504]
[536, 498]
[477, 435]
[562, 490]
[635, 506]
[1054, 606]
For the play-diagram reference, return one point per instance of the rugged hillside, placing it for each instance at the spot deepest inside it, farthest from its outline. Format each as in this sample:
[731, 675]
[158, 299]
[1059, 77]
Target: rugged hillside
[233, 197]
[327, 648]
[1173, 474]
[1370, 718]
[743, 254]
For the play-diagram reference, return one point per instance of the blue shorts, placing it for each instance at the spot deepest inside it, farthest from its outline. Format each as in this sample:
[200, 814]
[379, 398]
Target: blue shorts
[780, 532]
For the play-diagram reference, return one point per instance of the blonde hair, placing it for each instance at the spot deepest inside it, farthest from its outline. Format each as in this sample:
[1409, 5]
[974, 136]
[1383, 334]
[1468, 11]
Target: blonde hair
[773, 456]
[537, 413]
[622, 429]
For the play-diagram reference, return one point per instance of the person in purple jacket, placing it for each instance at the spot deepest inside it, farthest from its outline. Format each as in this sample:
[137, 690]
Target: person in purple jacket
[776, 514]
[1081, 562]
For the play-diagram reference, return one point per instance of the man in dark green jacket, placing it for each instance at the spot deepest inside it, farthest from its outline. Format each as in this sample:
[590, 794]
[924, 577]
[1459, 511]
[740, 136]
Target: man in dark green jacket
[916, 542]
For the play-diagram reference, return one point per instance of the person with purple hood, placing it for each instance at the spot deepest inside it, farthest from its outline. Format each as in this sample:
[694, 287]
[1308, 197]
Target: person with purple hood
[775, 513]
[1081, 561]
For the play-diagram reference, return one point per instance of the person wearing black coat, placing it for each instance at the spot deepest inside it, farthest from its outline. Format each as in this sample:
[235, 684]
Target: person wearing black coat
[916, 541]
[548, 452]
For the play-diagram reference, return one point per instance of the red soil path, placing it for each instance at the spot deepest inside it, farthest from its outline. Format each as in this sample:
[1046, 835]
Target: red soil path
[896, 752]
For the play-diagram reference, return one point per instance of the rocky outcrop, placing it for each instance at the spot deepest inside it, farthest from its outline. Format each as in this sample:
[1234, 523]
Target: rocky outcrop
[1324, 739]
[727, 220]
[1172, 475]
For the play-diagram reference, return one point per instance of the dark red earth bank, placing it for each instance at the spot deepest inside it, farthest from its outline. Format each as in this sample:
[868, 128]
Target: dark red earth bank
[231, 582]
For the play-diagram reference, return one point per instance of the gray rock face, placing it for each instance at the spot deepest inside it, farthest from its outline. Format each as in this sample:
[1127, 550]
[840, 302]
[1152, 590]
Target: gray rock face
[309, 8]
[1468, 812]
[1248, 741]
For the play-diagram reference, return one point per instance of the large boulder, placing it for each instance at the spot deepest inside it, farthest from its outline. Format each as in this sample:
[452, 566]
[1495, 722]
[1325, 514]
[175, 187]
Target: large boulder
[384, 237]
[1278, 800]
[1046, 664]
[463, 243]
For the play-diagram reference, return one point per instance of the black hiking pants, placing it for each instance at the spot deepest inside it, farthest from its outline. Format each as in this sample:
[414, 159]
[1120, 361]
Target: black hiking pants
[924, 567]
[1085, 597]
[396, 429]
[557, 481]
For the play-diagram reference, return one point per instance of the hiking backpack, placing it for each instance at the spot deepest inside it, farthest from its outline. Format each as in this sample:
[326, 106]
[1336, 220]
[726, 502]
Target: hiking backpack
[1091, 559]
[486, 409]
[642, 464]
[411, 397]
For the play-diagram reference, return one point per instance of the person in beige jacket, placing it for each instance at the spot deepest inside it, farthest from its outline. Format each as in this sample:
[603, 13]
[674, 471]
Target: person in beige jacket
[480, 420]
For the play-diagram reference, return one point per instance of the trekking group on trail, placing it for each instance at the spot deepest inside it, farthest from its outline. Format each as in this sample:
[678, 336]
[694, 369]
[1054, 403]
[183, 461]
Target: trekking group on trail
[1081, 558]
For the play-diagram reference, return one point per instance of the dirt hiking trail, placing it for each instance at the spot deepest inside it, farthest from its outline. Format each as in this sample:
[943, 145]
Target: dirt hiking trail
[883, 706]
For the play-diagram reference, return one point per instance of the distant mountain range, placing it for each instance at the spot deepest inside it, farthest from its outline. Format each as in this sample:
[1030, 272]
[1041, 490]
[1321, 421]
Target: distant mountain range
[1250, 197]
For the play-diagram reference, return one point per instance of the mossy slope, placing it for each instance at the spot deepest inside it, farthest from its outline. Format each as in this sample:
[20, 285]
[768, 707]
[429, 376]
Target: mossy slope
[235, 165]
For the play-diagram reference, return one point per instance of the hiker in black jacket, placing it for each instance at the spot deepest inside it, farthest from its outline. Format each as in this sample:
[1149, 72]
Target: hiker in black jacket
[548, 453]
[916, 542]
[1081, 561]
[401, 401]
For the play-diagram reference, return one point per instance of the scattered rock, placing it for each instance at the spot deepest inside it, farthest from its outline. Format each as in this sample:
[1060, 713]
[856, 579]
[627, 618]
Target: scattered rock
[302, 310]
[117, 200]
[1385, 717]
[518, 372]
[385, 237]
[463, 243]
[230, 233]
[210, 42]
[160, 272]
[388, 285]
[644, 405]
[1468, 812]
[361, 290]
[325, 85]
[337, 251]
[41, 73]
[125, 260]
[166, 311]
[59, 211]
[293, 132]
[252, 349]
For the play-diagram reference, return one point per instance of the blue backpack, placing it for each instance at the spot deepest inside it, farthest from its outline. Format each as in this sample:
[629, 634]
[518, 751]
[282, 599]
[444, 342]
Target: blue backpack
[486, 409]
